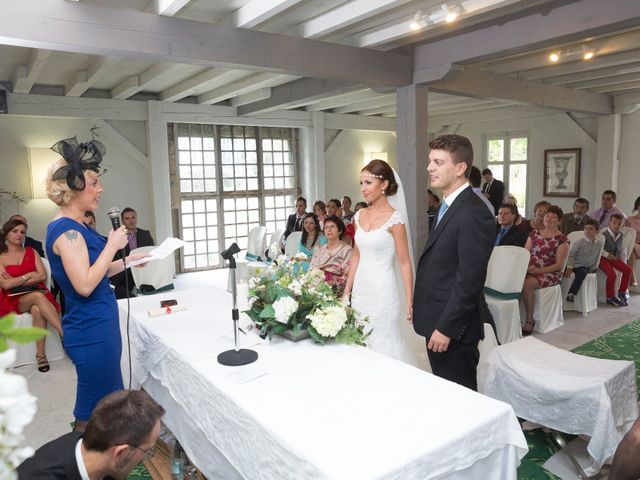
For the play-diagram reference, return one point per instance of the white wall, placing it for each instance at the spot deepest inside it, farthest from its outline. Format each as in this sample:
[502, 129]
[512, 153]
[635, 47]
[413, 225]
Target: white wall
[629, 156]
[125, 183]
[344, 158]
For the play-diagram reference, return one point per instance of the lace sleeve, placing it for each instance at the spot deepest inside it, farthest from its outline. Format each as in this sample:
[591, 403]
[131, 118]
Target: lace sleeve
[394, 219]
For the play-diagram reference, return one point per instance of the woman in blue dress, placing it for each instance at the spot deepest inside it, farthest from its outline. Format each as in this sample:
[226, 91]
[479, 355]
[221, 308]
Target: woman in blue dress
[311, 237]
[81, 262]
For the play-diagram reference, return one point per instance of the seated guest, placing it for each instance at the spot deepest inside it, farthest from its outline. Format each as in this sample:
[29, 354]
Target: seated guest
[360, 205]
[507, 232]
[584, 257]
[320, 209]
[576, 221]
[136, 237]
[614, 257]
[334, 207]
[294, 222]
[510, 199]
[347, 214]
[608, 209]
[634, 222]
[475, 179]
[537, 222]
[549, 249]
[311, 235]
[89, 219]
[28, 241]
[22, 277]
[122, 431]
[333, 258]
[626, 461]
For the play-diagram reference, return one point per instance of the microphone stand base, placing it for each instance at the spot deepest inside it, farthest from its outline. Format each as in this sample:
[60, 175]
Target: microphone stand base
[237, 358]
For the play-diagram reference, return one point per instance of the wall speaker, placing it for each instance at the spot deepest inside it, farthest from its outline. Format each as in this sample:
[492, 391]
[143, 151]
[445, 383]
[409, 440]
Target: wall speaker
[3, 101]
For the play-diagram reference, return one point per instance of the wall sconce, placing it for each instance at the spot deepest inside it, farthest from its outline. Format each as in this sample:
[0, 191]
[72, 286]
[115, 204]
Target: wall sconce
[40, 159]
[368, 156]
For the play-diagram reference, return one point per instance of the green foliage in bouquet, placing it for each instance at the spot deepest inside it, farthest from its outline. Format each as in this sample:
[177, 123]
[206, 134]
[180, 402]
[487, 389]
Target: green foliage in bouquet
[287, 298]
[8, 331]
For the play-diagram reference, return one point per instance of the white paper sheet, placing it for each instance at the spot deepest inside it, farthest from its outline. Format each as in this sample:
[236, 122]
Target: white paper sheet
[162, 251]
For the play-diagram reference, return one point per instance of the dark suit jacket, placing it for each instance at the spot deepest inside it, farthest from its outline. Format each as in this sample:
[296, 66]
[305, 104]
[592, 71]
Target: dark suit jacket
[35, 244]
[292, 225]
[514, 237]
[144, 239]
[496, 193]
[452, 270]
[54, 460]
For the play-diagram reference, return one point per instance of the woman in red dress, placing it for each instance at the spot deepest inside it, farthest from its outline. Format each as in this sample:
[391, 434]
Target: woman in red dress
[22, 267]
[549, 248]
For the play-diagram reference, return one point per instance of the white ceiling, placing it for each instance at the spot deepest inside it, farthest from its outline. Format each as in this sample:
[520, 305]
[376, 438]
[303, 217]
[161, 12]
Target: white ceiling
[381, 25]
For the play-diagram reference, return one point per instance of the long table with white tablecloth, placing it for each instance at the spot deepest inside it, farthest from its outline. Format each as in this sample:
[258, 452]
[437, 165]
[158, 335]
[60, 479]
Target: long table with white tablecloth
[309, 411]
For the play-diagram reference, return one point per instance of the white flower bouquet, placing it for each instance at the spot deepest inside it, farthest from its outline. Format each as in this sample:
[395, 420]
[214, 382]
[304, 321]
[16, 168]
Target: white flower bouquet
[288, 300]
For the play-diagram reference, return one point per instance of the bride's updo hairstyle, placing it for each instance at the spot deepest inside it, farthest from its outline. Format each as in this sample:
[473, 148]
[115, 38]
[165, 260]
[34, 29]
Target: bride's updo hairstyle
[382, 171]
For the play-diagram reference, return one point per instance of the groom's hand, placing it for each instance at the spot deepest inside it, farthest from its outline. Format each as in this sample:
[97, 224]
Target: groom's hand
[438, 342]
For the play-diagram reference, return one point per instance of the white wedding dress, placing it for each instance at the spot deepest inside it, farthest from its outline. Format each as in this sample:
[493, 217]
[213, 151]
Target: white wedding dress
[378, 293]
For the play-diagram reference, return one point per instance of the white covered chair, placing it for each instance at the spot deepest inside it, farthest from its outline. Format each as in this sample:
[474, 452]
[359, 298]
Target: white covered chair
[291, 245]
[256, 246]
[547, 311]
[26, 354]
[505, 276]
[157, 273]
[628, 239]
[587, 298]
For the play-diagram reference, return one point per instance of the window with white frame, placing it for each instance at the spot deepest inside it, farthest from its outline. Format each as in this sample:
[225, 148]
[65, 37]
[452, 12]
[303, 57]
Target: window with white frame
[226, 180]
[507, 156]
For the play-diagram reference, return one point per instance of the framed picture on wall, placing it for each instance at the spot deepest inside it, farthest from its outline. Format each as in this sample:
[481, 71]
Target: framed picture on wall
[562, 172]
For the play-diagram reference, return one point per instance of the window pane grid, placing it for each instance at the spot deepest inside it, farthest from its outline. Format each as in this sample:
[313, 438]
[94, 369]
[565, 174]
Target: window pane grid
[507, 156]
[199, 230]
[196, 158]
[238, 146]
[277, 158]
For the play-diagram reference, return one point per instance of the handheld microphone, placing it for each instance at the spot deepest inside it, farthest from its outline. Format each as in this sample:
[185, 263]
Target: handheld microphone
[114, 216]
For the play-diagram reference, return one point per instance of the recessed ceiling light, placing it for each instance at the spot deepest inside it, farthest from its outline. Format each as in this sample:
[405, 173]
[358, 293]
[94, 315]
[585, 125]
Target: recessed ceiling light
[554, 57]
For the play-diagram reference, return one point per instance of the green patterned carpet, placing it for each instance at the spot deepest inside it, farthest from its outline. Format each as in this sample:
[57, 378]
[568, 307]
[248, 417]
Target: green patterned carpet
[621, 344]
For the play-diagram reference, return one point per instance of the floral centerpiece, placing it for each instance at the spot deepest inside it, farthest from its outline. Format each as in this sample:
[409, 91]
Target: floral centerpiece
[288, 299]
[17, 405]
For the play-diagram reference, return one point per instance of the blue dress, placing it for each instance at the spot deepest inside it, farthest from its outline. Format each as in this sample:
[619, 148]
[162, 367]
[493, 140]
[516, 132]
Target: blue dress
[322, 240]
[90, 324]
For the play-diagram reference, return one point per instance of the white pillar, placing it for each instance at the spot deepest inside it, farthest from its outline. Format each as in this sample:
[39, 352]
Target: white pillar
[411, 152]
[607, 161]
[312, 164]
[158, 150]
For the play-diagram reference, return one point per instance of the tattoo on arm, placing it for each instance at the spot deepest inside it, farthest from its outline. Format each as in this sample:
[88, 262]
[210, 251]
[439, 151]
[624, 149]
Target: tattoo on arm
[72, 235]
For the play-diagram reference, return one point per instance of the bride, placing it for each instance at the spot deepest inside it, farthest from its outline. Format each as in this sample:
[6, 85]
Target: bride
[381, 274]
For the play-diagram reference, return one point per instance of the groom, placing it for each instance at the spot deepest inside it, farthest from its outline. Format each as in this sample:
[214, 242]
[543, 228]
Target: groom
[449, 306]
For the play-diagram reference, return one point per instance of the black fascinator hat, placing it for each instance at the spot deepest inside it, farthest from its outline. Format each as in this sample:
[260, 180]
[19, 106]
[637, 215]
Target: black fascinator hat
[79, 157]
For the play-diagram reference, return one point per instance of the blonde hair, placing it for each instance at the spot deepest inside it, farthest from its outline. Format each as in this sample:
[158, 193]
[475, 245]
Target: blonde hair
[57, 190]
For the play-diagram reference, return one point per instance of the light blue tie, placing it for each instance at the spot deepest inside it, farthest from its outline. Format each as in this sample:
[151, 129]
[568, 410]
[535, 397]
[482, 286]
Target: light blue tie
[502, 233]
[443, 208]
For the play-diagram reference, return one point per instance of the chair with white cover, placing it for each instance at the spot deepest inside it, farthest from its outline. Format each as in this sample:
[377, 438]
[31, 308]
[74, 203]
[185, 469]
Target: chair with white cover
[547, 310]
[484, 348]
[26, 354]
[586, 300]
[256, 246]
[157, 273]
[276, 238]
[628, 240]
[506, 272]
[291, 245]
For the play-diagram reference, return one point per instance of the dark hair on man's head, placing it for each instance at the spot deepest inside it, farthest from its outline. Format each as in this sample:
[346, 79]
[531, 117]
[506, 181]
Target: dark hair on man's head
[383, 171]
[475, 177]
[487, 171]
[335, 202]
[458, 146]
[360, 205]
[636, 205]
[89, 213]
[305, 235]
[583, 201]
[592, 221]
[616, 215]
[612, 193]
[6, 228]
[301, 199]
[337, 221]
[125, 417]
[127, 209]
[346, 197]
[555, 209]
[513, 208]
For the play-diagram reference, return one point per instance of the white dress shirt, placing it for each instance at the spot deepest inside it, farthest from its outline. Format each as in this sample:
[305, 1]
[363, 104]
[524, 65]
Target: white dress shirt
[81, 468]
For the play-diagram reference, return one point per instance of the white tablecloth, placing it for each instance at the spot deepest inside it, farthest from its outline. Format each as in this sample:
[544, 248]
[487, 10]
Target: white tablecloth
[320, 412]
[565, 391]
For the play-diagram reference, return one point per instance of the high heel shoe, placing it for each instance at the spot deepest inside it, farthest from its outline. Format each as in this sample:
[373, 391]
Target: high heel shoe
[528, 328]
[42, 363]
